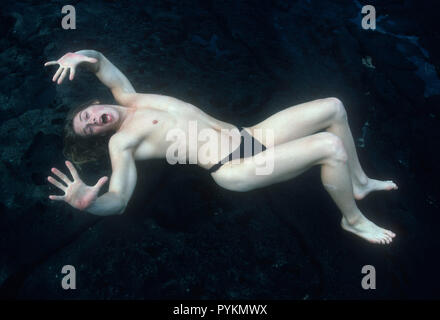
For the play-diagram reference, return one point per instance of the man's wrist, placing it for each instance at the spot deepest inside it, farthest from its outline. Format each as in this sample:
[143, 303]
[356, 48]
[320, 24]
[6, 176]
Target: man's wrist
[94, 67]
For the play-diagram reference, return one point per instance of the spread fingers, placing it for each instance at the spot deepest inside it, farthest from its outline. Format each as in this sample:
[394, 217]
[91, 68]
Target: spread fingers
[72, 169]
[56, 183]
[49, 63]
[63, 75]
[52, 197]
[61, 175]
[60, 69]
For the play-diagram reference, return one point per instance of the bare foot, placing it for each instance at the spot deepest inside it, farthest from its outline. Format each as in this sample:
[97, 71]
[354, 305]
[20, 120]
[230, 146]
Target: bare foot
[361, 190]
[369, 231]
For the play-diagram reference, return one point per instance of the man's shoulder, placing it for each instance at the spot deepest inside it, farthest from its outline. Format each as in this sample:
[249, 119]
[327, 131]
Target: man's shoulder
[157, 101]
[121, 141]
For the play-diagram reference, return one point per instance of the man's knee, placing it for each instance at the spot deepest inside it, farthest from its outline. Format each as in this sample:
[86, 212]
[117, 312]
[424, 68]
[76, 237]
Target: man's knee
[332, 146]
[337, 108]
[235, 178]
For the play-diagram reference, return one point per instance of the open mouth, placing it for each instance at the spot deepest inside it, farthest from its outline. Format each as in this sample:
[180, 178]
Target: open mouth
[105, 118]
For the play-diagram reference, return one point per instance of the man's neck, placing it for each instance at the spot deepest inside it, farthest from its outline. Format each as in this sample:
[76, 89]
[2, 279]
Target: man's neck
[124, 116]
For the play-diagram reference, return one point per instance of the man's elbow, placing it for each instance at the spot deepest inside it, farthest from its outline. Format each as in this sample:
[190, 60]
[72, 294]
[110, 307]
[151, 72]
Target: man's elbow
[121, 211]
[122, 206]
[117, 203]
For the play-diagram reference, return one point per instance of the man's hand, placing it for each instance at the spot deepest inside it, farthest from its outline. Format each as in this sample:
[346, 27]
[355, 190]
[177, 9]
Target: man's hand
[76, 193]
[69, 61]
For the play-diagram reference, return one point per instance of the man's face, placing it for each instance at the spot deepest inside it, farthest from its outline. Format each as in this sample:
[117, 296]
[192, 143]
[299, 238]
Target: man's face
[96, 119]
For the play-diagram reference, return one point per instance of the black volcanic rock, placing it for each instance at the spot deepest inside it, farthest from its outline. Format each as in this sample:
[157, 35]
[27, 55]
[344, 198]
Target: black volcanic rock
[182, 236]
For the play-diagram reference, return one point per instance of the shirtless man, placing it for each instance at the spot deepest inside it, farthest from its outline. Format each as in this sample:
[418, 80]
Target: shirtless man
[140, 122]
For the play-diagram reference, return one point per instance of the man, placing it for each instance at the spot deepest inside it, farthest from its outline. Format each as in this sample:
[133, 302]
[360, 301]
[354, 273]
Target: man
[139, 128]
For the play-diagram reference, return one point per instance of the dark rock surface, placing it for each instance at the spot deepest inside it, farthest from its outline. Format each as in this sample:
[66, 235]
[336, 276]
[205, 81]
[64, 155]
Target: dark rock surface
[183, 236]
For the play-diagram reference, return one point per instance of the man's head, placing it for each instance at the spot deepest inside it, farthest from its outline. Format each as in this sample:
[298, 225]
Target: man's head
[87, 130]
[96, 119]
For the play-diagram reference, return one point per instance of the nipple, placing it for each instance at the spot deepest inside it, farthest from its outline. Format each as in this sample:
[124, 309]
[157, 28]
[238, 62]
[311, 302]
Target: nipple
[154, 121]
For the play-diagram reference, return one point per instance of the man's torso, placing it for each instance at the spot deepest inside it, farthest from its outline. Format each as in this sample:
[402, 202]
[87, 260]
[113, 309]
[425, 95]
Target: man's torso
[159, 123]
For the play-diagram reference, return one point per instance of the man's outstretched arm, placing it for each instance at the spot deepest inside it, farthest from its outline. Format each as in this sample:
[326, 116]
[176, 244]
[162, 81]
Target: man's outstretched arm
[84, 197]
[109, 74]
[106, 72]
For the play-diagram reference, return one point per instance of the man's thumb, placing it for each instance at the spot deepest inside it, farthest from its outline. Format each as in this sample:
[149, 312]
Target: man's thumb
[101, 182]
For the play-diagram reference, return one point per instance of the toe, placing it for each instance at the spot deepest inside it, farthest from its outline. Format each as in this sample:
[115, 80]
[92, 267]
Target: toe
[390, 233]
[386, 238]
[391, 185]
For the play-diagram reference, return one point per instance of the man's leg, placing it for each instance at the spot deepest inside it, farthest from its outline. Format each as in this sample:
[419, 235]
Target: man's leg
[324, 114]
[293, 158]
[362, 185]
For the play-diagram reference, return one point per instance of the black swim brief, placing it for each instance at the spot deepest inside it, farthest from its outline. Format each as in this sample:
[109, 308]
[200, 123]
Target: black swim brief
[253, 147]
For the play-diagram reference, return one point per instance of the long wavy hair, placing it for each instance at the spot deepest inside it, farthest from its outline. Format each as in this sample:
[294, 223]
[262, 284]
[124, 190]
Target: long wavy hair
[80, 149]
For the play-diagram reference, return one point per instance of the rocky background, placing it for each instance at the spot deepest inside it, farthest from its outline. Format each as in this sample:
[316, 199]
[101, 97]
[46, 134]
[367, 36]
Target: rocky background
[183, 236]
